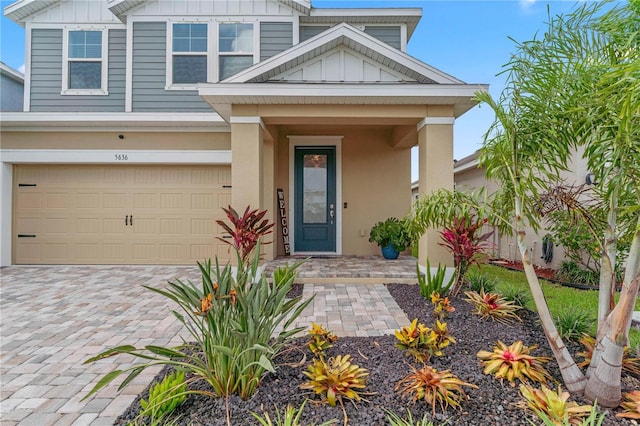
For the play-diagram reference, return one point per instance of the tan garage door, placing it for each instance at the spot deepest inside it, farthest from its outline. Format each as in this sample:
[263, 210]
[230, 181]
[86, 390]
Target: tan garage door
[119, 214]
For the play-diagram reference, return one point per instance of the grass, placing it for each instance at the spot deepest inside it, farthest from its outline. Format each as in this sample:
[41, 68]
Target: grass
[558, 297]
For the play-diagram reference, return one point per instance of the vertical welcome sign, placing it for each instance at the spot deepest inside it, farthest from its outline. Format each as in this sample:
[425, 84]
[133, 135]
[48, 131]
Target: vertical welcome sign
[283, 223]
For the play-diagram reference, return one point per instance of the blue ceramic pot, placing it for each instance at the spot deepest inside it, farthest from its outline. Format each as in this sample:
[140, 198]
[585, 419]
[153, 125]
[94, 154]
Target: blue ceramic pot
[390, 252]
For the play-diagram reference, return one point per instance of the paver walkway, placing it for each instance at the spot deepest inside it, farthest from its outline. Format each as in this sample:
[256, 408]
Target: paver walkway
[53, 318]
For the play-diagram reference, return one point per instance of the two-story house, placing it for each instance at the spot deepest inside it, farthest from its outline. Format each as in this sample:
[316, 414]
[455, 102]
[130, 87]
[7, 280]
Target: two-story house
[142, 118]
[11, 89]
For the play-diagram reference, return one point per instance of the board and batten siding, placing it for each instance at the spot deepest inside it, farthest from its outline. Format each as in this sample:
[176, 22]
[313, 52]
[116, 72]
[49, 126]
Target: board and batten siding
[149, 74]
[387, 34]
[275, 37]
[46, 75]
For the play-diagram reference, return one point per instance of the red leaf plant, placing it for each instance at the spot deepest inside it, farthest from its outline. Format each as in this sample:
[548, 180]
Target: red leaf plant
[467, 248]
[245, 230]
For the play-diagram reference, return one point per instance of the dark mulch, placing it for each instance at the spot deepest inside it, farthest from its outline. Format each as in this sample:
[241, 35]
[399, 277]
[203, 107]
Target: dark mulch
[491, 404]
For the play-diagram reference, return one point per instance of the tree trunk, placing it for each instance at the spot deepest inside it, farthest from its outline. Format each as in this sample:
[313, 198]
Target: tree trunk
[604, 378]
[608, 262]
[573, 378]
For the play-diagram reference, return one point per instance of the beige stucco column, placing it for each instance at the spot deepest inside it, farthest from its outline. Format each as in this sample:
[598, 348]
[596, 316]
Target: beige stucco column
[435, 150]
[248, 169]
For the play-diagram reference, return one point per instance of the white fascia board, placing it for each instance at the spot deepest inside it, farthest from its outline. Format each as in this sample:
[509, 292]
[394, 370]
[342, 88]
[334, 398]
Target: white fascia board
[155, 121]
[251, 92]
[109, 156]
[471, 165]
[348, 31]
[22, 9]
[383, 12]
[11, 73]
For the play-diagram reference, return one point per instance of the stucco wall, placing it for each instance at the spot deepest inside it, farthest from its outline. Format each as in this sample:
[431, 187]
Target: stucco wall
[375, 183]
[505, 245]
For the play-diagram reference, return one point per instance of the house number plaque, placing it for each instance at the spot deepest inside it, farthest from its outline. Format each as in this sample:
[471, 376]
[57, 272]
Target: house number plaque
[283, 222]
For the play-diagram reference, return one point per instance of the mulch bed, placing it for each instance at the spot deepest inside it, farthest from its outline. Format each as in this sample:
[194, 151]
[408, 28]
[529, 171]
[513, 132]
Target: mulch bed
[491, 404]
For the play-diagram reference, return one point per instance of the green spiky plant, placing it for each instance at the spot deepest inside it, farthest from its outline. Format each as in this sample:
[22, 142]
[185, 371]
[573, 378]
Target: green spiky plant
[433, 283]
[164, 397]
[395, 420]
[291, 417]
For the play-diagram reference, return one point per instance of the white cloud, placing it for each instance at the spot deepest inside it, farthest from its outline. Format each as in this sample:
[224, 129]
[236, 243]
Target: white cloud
[527, 4]
[21, 68]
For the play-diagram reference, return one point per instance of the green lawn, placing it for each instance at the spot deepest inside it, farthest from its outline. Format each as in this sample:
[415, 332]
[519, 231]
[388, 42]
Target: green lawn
[558, 297]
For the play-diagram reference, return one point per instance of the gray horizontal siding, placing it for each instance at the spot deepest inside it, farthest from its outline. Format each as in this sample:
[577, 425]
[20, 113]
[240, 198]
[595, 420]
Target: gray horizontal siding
[306, 32]
[12, 91]
[389, 35]
[149, 73]
[275, 37]
[46, 75]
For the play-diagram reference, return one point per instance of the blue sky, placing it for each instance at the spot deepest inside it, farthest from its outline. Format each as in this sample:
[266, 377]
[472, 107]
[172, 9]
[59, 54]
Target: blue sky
[467, 39]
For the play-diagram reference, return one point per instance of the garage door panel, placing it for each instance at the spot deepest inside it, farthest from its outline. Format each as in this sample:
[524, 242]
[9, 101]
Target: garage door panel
[80, 214]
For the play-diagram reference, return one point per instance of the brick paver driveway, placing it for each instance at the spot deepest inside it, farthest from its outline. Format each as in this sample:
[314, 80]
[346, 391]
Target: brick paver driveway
[53, 318]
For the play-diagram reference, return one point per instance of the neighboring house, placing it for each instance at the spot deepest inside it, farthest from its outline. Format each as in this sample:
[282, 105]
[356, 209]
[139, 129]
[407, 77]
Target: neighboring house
[468, 175]
[11, 89]
[143, 118]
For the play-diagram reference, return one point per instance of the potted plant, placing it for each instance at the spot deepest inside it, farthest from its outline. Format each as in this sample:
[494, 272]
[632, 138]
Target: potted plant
[392, 236]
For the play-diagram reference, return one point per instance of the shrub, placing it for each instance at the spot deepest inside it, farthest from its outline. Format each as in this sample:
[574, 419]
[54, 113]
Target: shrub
[467, 248]
[479, 282]
[231, 322]
[630, 364]
[164, 397]
[430, 284]
[291, 417]
[630, 405]
[245, 230]
[572, 323]
[335, 379]
[492, 305]
[396, 420]
[571, 272]
[553, 407]
[514, 362]
[320, 339]
[433, 387]
[422, 342]
[391, 231]
[518, 297]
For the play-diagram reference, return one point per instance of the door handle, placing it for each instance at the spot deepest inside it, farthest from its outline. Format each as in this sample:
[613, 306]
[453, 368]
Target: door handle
[126, 220]
[131, 220]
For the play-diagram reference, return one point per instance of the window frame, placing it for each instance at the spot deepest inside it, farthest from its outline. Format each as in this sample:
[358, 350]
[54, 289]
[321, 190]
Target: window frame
[170, 85]
[104, 60]
[255, 54]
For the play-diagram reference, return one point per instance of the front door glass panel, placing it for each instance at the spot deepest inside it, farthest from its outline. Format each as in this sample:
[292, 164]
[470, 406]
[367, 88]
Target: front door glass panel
[315, 189]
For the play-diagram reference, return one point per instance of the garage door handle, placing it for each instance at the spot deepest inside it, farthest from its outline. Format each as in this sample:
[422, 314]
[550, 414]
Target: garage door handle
[131, 220]
[126, 220]
[26, 235]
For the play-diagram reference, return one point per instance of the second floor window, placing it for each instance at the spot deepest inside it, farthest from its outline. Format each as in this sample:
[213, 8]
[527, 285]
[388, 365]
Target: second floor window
[235, 48]
[189, 53]
[85, 63]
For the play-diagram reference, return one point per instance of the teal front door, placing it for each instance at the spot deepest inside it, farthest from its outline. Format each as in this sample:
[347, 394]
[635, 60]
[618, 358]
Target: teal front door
[315, 199]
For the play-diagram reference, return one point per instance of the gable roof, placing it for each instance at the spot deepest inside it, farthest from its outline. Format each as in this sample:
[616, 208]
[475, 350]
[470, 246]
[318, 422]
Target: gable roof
[11, 73]
[22, 9]
[262, 83]
[343, 35]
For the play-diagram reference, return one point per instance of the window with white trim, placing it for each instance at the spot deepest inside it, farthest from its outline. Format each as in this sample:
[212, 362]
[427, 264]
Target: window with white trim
[85, 62]
[189, 53]
[235, 48]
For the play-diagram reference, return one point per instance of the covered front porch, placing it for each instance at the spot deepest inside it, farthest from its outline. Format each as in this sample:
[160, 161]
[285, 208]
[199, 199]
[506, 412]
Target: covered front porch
[350, 269]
